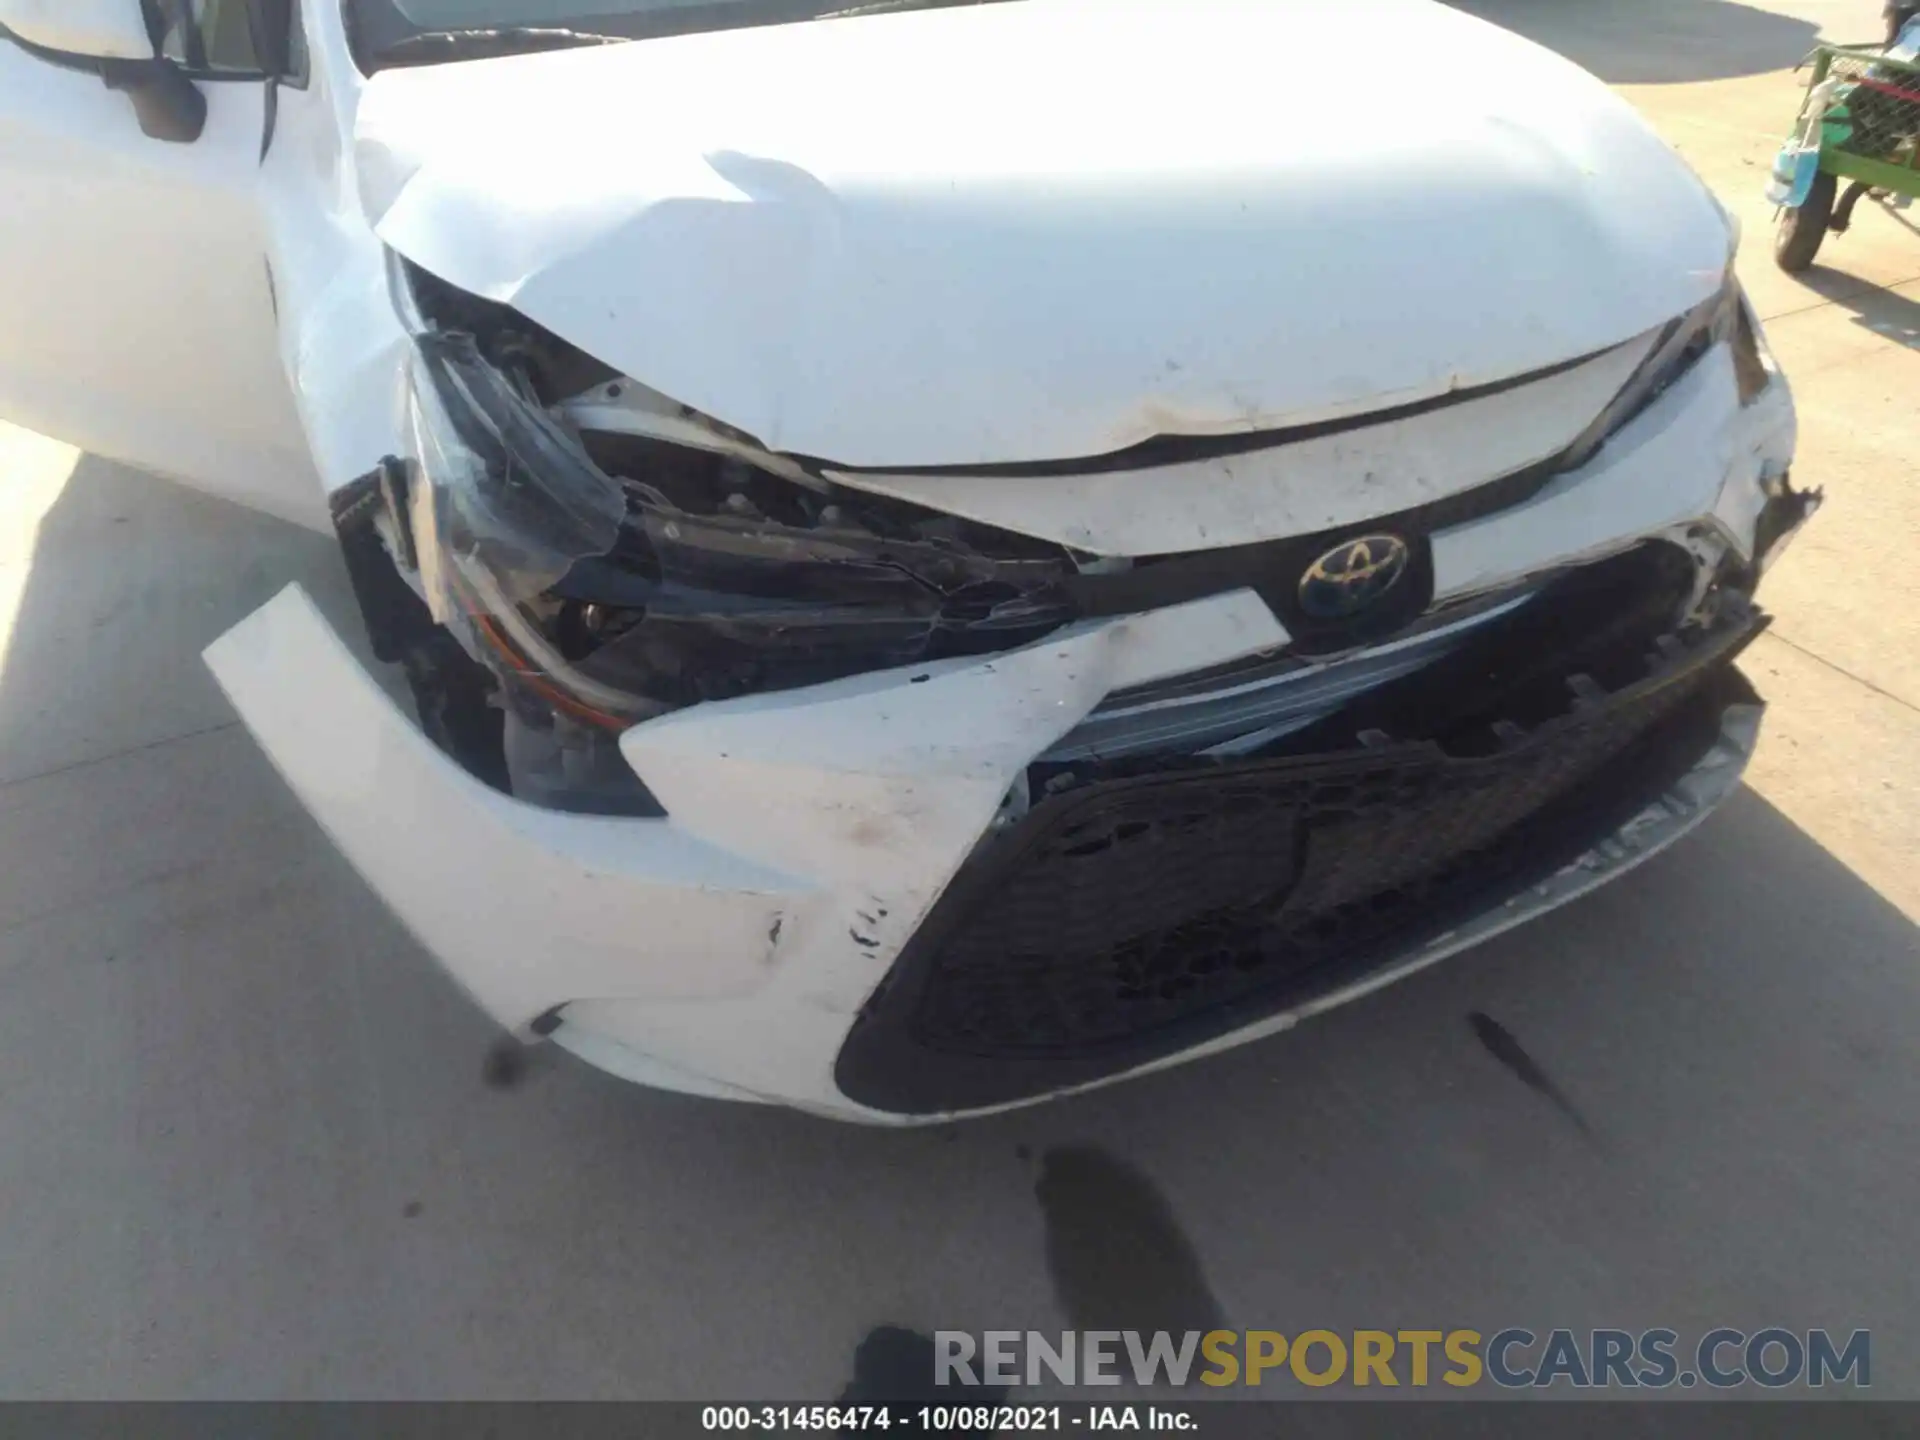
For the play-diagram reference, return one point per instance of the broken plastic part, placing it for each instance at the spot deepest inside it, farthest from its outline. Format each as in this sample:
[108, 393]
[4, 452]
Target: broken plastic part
[1753, 364]
[624, 406]
[606, 578]
[507, 492]
[558, 763]
[1783, 516]
[1232, 713]
[744, 602]
[1681, 346]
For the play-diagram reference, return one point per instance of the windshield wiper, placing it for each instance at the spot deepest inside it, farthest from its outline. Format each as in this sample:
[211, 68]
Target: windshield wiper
[432, 46]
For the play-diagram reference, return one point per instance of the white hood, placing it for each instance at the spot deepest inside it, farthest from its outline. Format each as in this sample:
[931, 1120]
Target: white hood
[1048, 228]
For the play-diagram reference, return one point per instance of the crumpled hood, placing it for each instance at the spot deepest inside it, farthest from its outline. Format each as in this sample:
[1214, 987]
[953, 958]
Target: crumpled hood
[1048, 228]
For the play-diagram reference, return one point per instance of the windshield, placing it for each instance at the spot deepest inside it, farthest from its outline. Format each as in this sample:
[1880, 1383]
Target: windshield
[392, 32]
[462, 14]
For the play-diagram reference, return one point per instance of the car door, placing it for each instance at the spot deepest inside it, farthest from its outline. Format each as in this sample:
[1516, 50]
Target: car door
[137, 311]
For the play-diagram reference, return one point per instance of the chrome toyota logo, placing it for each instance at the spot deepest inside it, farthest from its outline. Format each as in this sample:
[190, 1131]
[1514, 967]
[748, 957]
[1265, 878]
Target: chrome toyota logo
[1352, 576]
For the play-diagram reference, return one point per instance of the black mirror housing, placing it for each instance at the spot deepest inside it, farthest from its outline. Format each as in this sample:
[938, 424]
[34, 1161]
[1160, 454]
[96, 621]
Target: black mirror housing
[168, 105]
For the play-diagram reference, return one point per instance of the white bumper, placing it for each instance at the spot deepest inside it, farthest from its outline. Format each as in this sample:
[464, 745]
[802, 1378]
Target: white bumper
[727, 949]
[809, 831]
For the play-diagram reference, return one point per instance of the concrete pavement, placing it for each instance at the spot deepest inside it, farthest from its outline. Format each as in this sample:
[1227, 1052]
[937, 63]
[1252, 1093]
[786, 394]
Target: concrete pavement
[245, 1148]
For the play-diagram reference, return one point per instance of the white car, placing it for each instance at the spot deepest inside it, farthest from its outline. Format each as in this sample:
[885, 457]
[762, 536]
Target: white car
[948, 553]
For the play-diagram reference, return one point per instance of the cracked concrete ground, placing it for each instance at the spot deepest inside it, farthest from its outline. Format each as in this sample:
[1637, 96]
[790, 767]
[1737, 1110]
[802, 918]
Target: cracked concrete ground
[245, 1149]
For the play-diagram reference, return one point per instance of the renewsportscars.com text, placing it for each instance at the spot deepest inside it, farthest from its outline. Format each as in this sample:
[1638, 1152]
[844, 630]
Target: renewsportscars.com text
[1515, 1358]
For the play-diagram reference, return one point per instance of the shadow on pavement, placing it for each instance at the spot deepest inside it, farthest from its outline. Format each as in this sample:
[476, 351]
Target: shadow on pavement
[246, 1150]
[1656, 42]
[131, 578]
[1886, 313]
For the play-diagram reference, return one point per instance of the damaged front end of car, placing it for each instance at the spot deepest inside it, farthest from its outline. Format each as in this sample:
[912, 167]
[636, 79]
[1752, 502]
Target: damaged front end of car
[1000, 862]
[578, 555]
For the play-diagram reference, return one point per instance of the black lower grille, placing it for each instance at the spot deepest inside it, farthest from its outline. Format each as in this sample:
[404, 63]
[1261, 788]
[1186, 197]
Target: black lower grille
[1138, 915]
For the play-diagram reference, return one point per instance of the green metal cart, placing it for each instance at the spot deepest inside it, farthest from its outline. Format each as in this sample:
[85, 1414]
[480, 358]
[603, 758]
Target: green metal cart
[1860, 123]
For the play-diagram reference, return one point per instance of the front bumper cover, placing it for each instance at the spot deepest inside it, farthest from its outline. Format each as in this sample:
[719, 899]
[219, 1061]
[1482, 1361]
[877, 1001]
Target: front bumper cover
[806, 832]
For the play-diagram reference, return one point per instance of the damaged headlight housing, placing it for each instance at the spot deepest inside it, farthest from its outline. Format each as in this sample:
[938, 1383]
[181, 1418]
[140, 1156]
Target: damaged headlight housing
[613, 577]
[501, 503]
[1727, 318]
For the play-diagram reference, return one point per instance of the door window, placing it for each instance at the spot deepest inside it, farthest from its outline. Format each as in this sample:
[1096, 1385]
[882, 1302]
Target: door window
[216, 37]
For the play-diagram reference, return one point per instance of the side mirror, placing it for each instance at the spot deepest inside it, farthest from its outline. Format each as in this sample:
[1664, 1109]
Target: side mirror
[84, 29]
[111, 38]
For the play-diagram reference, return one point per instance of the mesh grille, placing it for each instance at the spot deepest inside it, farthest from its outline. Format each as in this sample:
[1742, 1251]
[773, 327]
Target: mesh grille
[1876, 110]
[1135, 905]
[1136, 916]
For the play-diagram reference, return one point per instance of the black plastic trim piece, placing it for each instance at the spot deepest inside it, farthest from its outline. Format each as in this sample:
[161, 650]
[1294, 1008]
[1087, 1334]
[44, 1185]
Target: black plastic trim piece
[1181, 449]
[166, 102]
[397, 620]
[1273, 568]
